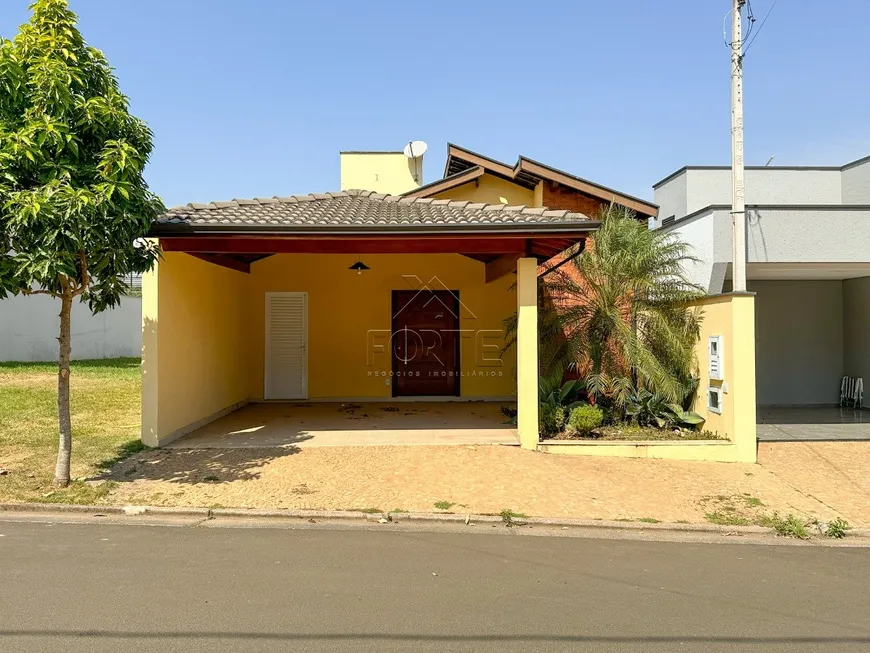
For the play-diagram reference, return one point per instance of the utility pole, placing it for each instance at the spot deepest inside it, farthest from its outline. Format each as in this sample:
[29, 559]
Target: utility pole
[738, 200]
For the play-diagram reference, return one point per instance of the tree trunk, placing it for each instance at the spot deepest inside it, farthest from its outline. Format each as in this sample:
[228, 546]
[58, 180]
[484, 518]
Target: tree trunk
[64, 451]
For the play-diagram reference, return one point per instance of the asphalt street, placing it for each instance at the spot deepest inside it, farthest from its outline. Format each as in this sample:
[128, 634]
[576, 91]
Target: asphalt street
[85, 588]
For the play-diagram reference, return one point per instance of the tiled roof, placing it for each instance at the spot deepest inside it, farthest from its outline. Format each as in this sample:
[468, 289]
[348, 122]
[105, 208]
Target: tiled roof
[358, 209]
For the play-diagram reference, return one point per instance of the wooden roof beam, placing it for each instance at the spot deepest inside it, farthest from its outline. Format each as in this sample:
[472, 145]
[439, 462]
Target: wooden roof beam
[501, 266]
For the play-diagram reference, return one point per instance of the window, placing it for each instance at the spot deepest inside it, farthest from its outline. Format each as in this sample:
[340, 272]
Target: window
[714, 400]
[714, 355]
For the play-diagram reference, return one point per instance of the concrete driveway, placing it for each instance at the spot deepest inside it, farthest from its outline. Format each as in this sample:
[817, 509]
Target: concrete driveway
[351, 424]
[811, 423]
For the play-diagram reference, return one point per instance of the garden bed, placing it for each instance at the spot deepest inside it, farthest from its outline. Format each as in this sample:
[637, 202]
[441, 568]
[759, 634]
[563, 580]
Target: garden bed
[634, 433]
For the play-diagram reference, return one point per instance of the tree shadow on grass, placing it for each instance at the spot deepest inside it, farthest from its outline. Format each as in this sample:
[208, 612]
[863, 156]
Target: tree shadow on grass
[194, 466]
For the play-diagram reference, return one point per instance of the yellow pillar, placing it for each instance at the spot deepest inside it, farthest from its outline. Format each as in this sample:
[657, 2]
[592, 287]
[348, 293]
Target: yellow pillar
[742, 390]
[527, 352]
[150, 432]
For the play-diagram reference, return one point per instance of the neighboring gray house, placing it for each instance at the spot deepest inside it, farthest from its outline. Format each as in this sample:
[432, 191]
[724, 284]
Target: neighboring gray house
[808, 261]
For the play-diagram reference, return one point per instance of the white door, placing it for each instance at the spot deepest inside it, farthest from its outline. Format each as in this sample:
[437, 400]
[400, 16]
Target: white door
[286, 345]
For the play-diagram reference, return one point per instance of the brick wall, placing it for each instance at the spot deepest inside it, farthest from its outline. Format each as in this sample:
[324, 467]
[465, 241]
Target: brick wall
[561, 197]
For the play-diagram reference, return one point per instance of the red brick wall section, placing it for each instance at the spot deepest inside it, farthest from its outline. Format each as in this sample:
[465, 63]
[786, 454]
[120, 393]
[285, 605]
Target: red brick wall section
[561, 197]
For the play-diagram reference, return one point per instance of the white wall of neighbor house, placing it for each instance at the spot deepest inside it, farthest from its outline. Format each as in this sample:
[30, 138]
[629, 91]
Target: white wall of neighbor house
[856, 328]
[799, 341]
[698, 234]
[856, 182]
[671, 198]
[29, 328]
[696, 188]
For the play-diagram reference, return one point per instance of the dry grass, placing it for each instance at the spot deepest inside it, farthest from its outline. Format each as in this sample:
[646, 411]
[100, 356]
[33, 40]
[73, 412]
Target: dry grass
[105, 420]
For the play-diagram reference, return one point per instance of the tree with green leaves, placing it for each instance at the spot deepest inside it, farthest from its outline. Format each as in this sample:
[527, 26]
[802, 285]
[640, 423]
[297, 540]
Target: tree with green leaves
[619, 314]
[73, 204]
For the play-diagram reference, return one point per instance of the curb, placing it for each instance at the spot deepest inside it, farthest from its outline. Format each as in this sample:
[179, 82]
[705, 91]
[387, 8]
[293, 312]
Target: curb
[398, 517]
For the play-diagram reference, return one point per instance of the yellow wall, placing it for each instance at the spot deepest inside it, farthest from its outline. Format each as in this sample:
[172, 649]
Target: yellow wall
[539, 194]
[349, 319]
[195, 341]
[731, 316]
[492, 190]
[527, 352]
[383, 172]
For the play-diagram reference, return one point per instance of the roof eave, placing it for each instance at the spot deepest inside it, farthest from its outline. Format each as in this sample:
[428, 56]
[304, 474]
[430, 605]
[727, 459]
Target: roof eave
[447, 183]
[543, 171]
[579, 226]
[536, 168]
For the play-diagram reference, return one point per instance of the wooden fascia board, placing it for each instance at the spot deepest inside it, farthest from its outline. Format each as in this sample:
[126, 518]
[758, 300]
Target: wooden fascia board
[457, 244]
[478, 160]
[446, 184]
[210, 246]
[549, 174]
[584, 186]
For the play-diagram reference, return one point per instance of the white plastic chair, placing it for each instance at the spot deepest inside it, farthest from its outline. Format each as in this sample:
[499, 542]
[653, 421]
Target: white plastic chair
[852, 392]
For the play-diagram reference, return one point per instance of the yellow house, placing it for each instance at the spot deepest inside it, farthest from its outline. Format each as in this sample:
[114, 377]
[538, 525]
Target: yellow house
[395, 293]
[359, 295]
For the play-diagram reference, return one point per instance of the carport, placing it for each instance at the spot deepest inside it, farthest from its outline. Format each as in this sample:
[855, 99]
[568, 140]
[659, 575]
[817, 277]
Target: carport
[812, 327]
[333, 424]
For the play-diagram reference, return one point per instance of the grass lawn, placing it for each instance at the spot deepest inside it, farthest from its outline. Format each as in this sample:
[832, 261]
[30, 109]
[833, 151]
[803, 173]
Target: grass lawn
[105, 405]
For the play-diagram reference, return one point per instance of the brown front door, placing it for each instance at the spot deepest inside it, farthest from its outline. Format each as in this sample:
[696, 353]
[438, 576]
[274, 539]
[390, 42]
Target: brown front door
[425, 343]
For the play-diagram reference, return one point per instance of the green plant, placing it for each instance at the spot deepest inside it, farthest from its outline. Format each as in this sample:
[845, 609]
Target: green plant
[552, 419]
[835, 529]
[619, 312]
[557, 400]
[555, 394]
[583, 419]
[724, 518]
[788, 526]
[444, 505]
[648, 409]
[74, 206]
[509, 517]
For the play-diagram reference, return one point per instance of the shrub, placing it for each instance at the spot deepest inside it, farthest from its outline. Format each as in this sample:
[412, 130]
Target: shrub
[584, 419]
[837, 528]
[648, 409]
[788, 526]
[552, 419]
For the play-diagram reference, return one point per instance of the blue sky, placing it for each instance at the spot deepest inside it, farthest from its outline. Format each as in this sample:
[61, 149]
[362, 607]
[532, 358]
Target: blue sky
[256, 98]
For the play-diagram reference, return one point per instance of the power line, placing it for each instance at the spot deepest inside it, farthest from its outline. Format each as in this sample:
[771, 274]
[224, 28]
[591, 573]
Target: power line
[760, 27]
[750, 16]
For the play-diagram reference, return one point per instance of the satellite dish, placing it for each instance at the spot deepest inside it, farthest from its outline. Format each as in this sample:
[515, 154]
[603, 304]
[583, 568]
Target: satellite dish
[415, 149]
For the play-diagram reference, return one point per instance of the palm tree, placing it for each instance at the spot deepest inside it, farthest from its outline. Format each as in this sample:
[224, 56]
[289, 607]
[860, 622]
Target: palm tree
[619, 314]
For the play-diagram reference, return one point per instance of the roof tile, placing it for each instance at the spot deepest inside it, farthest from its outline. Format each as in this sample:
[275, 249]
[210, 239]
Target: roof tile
[360, 209]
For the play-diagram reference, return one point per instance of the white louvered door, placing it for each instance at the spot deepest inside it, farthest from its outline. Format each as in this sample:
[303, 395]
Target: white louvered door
[286, 345]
